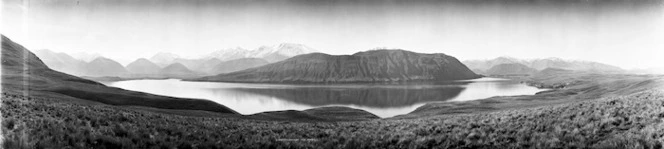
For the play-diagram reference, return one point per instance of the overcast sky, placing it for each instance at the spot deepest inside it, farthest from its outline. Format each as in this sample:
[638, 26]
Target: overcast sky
[626, 34]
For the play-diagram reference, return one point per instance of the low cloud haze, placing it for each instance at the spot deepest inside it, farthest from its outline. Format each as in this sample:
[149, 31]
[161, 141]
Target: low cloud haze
[626, 34]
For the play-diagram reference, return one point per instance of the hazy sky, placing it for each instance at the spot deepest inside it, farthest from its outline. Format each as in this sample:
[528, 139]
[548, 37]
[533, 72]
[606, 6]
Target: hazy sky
[628, 34]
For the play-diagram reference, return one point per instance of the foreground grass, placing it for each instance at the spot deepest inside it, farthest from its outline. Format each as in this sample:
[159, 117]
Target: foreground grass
[633, 121]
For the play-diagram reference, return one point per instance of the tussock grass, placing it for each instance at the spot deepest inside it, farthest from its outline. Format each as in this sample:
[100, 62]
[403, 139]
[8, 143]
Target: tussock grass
[633, 121]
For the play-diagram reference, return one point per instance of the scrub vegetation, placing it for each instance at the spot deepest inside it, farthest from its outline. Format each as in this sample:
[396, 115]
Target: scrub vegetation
[633, 121]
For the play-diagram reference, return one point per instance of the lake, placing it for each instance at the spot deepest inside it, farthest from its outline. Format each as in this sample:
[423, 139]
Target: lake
[384, 100]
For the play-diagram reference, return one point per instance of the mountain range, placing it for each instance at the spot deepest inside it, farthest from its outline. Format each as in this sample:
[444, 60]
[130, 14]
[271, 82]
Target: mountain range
[238, 59]
[269, 53]
[481, 66]
[369, 66]
[221, 61]
[105, 67]
[237, 64]
[24, 73]
[100, 66]
[85, 56]
[510, 69]
[62, 62]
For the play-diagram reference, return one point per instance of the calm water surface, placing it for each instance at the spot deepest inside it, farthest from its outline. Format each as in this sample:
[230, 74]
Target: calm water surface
[384, 100]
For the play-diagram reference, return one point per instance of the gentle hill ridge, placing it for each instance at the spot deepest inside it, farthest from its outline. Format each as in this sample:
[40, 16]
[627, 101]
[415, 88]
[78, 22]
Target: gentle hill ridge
[143, 66]
[62, 62]
[541, 64]
[102, 66]
[176, 68]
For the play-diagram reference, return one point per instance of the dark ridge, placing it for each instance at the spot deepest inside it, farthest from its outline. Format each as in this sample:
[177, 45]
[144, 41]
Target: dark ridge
[368, 66]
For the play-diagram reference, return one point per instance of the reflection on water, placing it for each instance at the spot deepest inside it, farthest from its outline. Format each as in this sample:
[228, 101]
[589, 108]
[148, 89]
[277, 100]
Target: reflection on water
[384, 100]
[368, 96]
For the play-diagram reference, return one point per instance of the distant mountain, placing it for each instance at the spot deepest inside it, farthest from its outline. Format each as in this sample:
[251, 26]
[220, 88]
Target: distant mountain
[208, 66]
[653, 70]
[511, 69]
[104, 67]
[228, 54]
[23, 73]
[479, 71]
[280, 52]
[61, 62]
[572, 65]
[540, 64]
[175, 70]
[238, 64]
[163, 59]
[85, 56]
[553, 71]
[269, 53]
[484, 65]
[143, 66]
[369, 66]
[193, 64]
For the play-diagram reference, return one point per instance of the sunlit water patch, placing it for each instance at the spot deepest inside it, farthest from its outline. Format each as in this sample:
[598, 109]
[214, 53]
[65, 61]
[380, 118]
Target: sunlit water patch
[384, 100]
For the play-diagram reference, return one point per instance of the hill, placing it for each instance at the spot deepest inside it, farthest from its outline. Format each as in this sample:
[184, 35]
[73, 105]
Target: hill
[369, 66]
[175, 69]
[163, 59]
[143, 66]
[510, 69]
[607, 111]
[61, 62]
[238, 64]
[24, 73]
[483, 65]
[208, 66]
[104, 67]
[541, 64]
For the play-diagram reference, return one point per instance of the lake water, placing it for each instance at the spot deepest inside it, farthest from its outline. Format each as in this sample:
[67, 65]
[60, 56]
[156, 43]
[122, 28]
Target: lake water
[384, 100]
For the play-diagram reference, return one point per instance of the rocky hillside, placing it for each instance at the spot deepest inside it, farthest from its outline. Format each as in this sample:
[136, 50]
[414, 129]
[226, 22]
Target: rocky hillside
[369, 66]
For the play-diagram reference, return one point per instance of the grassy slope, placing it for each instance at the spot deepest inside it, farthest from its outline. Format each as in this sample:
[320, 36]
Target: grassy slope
[24, 73]
[623, 122]
[567, 87]
[584, 114]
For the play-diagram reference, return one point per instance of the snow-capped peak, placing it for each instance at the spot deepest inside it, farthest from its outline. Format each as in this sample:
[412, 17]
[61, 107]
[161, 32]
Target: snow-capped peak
[85, 56]
[164, 57]
[291, 49]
